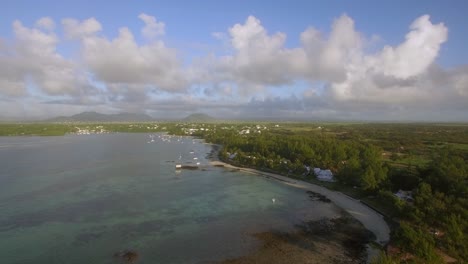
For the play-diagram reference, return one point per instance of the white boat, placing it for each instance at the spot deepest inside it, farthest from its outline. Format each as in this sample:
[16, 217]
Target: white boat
[178, 166]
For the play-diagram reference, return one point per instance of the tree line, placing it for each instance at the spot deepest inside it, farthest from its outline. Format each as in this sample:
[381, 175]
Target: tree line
[435, 219]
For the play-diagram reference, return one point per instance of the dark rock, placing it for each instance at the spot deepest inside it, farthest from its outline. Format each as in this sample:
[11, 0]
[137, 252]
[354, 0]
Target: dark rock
[318, 197]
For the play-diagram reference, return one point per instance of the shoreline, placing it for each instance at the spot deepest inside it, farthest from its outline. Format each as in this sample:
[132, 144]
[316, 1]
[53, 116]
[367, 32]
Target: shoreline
[337, 240]
[372, 220]
[368, 217]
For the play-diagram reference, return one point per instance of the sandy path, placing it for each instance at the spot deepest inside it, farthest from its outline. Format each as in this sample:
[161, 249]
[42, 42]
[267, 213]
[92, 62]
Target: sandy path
[369, 218]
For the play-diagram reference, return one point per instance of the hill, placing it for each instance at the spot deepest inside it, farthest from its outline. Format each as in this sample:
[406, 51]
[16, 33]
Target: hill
[198, 117]
[98, 117]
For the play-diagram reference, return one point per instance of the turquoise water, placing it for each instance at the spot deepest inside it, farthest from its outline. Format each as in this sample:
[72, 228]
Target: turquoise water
[81, 199]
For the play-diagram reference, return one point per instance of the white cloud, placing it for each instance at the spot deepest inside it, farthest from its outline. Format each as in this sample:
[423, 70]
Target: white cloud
[328, 59]
[46, 23]
[123, 61]
[219, 35]
[393, 78]
[396, 74]
[460, 81]
[152, 27]
[75, 29]
[124, 69]
[393, 82]
[258, 60]
[32, 60]
[418, 52]
[34, 42]
[11, 86]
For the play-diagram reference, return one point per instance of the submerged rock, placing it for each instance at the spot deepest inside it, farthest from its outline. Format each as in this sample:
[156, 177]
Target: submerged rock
[189, 167]
[318, 197]
[127, 256]
[337, 240]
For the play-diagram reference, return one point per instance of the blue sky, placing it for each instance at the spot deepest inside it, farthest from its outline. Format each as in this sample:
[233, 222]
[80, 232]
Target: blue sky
[362, 68]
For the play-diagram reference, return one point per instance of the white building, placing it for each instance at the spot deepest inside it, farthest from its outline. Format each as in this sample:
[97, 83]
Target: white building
[404, 195]
[324, 175]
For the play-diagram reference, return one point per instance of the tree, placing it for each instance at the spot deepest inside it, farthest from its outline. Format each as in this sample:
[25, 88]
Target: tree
[448, 172]
[383, 258]
[456, 239]
[416, 241]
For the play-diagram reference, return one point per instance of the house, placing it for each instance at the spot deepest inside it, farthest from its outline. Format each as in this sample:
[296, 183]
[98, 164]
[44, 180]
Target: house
[324, 175]
[232, 156]
[404, 195]
[244, 131]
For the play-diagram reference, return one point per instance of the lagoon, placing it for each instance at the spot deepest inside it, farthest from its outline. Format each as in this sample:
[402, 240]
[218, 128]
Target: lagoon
[82, 199]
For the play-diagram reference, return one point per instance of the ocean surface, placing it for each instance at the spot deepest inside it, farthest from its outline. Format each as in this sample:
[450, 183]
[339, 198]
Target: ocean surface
[84, 198]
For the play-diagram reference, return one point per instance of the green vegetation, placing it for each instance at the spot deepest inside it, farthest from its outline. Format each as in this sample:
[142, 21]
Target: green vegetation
[370, 161]
[60, 129]
[35, 129]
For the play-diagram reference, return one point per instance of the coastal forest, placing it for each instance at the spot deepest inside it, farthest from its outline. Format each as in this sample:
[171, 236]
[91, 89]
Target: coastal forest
[370, 162]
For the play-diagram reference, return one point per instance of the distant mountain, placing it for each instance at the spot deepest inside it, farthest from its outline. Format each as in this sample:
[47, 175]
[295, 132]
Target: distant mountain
[198, 118]
[98, 117]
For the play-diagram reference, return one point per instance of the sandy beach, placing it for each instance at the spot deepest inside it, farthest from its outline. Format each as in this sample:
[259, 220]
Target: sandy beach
[370, 219]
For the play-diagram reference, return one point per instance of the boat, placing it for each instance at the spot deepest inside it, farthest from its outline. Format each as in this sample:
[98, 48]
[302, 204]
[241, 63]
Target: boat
[178, 166]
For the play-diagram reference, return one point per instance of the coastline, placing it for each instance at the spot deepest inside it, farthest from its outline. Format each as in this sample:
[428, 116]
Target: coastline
[369, 218]
[337, 240]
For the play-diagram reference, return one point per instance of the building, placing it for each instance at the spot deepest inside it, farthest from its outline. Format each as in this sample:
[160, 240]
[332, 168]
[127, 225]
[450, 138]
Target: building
[324, 175]
[232, 156]
[404, 195]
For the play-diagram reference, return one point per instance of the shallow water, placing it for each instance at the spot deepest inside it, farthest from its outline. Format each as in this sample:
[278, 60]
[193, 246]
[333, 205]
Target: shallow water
[81, 199]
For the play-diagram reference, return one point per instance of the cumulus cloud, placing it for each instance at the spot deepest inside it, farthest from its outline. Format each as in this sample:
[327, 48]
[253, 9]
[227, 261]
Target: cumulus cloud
[122, 62]
[75, 29]
[257, 60]
[260, 59]
[33, 60]
[395, 74]
[419, 50]
[152, 27]
[46, 23]
[258, 74]
[11, 85]
[124, 69]
[395, 79]
[459, 78]
[329, 58]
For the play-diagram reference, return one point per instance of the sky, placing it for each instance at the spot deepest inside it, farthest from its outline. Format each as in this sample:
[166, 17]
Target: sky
[289, 60]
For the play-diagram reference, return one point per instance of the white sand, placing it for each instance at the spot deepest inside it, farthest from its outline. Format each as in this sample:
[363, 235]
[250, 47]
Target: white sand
[370, 219]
